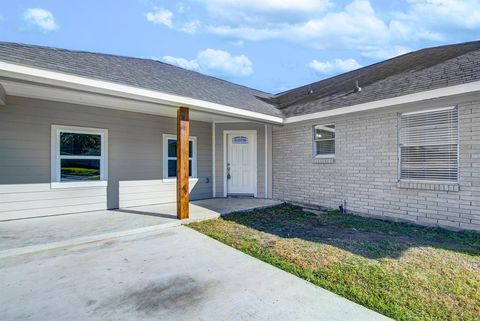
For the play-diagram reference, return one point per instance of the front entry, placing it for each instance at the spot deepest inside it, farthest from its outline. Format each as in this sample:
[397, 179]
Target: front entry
[241, 162]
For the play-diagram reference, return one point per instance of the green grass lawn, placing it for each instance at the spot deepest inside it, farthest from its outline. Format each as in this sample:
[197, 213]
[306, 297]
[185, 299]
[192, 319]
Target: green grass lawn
[84, 173]
[403, 271]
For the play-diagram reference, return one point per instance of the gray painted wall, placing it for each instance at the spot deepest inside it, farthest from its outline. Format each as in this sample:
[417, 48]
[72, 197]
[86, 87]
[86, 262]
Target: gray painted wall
[219, 154]
[364, 171]
[135, 153]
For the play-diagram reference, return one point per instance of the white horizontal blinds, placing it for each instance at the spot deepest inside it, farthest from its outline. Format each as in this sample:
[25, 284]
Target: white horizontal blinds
[429, 145]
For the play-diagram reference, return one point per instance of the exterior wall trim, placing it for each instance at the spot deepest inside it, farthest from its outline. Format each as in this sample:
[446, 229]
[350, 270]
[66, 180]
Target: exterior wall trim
[214, 176]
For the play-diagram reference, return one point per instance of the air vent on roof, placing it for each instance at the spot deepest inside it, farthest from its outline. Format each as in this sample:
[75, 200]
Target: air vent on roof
[357, 87]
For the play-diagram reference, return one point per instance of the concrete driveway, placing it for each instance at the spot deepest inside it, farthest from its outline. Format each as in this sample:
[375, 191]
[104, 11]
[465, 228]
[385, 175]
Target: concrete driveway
[172, 274]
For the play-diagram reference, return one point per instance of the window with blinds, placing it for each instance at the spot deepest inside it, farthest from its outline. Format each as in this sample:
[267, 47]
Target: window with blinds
[428, 145]
[324, 140]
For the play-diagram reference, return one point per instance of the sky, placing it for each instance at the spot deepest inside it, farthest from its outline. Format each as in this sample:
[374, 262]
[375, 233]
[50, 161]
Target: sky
[271, 45]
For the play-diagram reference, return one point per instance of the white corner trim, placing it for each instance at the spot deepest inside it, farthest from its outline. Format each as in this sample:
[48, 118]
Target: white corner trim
[424, 95]
[266, 162]
[55, 78]
[214, 176]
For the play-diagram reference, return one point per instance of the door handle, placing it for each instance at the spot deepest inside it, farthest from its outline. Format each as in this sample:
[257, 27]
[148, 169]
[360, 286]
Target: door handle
[228, 171]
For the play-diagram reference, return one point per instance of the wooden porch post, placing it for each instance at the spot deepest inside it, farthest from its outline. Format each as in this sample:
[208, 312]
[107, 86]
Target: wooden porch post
[183, 133]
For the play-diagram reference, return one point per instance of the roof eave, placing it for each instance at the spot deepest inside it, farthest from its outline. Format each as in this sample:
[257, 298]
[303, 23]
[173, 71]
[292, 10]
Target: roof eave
[64, 80]
[443, 92]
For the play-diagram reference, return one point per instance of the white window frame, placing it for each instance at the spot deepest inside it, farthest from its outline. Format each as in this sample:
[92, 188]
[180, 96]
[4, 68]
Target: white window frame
[314, 145]
[399, 149]
[56, 157]
[167, 137]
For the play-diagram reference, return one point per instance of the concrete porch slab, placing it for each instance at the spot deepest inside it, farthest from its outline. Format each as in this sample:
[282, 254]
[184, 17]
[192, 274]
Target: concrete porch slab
[43, 233]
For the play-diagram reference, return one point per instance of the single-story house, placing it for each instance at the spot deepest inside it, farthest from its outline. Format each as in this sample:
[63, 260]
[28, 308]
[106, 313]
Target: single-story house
[83, 131]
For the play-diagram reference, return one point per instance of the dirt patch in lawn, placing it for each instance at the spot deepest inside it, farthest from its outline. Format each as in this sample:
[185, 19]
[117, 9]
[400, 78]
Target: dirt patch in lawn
[406, 272]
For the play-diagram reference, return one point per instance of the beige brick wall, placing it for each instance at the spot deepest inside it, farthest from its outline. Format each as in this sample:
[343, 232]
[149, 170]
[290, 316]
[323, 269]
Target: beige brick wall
[364, 171]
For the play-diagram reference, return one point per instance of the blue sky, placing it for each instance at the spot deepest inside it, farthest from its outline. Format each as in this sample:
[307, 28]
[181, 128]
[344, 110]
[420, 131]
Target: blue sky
[270, 45]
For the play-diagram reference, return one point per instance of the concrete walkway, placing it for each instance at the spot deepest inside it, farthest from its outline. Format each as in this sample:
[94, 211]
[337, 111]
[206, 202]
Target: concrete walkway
[174, 274]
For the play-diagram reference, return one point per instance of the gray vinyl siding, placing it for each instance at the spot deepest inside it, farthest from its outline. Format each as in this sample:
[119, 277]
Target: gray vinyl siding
[219, 154]
[365, 171]
[135, 154]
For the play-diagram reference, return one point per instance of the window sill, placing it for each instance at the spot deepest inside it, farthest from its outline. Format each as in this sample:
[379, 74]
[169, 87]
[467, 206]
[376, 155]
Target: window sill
[59, 185]
[432, 186]
[323, 160]
[174, 179]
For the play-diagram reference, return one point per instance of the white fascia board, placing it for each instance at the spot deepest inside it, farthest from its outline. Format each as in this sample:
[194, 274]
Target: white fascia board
[54, 78]
[411, 98]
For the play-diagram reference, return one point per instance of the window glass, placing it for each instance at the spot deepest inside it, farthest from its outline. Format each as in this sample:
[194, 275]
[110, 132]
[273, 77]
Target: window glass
[324, 140]
[170, 169]
[172, 148]
[80, 144]
[80, 170]
[325, 147]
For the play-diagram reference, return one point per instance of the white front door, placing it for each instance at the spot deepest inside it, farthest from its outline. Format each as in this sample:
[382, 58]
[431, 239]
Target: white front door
[241, 162]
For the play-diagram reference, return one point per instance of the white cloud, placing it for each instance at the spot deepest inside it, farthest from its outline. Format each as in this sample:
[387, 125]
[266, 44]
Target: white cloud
[334, 66]
[190, 27]
[41, 18]
[160, 16]
[237, 43]
[328, 25]
[386, 52]
[436, 20]
[214, 61]
[182, 62]
[356, 26]
[268, 5]
[460, 13]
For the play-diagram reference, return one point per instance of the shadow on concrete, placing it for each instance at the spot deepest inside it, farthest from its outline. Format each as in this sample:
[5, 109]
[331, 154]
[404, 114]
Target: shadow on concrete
[156, 214]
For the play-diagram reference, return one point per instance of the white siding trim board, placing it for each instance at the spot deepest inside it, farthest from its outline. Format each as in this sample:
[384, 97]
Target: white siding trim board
[149, 192]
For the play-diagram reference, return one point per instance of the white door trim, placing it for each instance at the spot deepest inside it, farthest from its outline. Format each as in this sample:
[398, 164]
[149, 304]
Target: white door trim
[225, 156]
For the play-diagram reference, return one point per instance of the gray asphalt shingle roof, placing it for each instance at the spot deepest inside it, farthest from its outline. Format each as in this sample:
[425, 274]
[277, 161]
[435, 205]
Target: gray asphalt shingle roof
[142, 73]
[414, 72]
